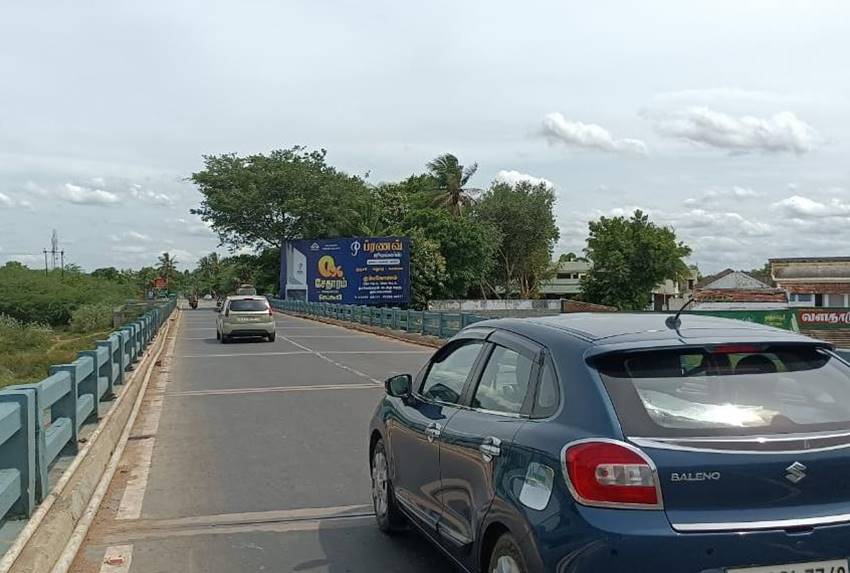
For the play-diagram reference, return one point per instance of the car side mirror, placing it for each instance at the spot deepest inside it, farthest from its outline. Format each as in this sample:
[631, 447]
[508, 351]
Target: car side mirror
[399, 386]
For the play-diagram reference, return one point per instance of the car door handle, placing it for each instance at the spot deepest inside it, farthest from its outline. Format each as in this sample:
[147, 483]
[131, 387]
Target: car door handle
[433, 431]
[490, 448]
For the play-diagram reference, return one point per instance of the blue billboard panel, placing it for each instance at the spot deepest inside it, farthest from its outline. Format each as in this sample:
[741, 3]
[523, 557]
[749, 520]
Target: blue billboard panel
[357, 270]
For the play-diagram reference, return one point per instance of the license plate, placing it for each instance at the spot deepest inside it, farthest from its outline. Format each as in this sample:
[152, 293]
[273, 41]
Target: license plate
[249, 319]
[834, 566]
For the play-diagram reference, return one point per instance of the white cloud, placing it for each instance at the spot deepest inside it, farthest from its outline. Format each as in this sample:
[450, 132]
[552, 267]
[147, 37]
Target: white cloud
[131, 236]
[197, 228]
[80, 195]
[714, 196]
[9, 202]
[556, 128]
[131, 249]
[512, 177]
[149, 196]
[802, 207]
[781, 132]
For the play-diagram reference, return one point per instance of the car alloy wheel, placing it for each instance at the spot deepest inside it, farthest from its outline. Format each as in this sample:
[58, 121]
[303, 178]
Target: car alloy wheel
[506, 556]
[380, 485]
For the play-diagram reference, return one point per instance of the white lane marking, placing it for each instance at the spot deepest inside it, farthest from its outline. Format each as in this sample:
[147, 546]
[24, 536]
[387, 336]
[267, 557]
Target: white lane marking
[229, 355]
[133, 497]
[332, 361]
[377, 351]
[326, 336]
[117, 559]
[273, 389]
[307, 519]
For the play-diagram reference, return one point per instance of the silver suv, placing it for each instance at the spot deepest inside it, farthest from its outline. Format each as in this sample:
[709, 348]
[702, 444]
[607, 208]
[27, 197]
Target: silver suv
[245, 316]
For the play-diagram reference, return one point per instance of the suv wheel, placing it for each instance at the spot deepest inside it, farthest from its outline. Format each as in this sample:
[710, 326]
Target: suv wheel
[272, 336]
[217, 334]
[388, 516]
[506, 557]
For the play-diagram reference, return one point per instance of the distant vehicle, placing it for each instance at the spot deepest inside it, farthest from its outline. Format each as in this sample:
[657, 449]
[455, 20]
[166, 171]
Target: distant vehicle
[586, 443]
[193, 302]
[245, 316]
[246, 289]
[208, 297]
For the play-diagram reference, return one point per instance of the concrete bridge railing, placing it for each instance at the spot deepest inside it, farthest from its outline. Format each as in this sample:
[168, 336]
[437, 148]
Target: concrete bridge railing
[439, 323]
[41, 421]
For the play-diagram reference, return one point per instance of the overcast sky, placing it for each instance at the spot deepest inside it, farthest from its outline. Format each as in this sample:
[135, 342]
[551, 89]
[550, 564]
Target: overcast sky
[729, 120]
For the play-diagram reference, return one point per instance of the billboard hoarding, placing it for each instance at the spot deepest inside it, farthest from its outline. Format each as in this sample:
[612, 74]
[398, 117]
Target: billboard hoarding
[351, 270]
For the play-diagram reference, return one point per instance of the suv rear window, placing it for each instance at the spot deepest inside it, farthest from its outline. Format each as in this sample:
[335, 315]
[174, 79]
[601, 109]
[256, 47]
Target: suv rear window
[248, 304]
[728, 390]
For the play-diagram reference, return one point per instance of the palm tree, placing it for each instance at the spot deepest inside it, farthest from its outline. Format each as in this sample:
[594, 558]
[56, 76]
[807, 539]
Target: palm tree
[167, 266]
[451, 178]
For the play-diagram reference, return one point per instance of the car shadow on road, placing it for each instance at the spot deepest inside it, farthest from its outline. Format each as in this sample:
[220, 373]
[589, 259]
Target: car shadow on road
[360, 547]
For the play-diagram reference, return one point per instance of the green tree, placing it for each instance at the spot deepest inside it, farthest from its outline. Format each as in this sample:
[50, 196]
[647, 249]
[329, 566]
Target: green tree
[467, 245]
[108, 273]
[265, 200]
[450, 178]
[630, 257]
[427, 269]
[523, 215]
[167, 266]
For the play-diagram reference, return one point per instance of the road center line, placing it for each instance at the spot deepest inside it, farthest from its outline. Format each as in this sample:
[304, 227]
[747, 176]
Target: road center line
[287, 353]
[332, 361]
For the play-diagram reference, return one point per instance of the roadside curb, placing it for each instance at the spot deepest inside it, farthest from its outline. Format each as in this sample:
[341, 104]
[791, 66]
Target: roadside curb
[420, 339]
[44, 539]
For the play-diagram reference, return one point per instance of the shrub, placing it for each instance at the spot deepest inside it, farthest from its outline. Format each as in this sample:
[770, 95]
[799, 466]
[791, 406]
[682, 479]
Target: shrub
[15, 335]
[91, 318]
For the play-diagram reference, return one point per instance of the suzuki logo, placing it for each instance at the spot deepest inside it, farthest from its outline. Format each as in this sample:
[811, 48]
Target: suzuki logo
[796, 472]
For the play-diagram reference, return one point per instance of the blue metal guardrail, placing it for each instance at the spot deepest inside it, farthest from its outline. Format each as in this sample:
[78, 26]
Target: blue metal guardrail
[40, 421]
[439, 324]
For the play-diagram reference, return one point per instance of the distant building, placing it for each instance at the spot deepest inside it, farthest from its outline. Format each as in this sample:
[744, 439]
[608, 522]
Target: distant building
[567, 281]
[736, 290]
[672, 294]
[813, 281]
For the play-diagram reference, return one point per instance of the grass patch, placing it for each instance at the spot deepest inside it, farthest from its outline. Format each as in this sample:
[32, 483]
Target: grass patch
[28, 350]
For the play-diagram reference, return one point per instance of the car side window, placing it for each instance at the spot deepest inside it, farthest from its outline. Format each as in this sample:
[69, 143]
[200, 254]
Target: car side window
[504, 383]
[448, 373]
[548, 393]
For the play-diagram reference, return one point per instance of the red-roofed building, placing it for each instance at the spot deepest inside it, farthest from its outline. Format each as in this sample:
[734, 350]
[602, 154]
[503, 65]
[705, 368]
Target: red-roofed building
[736, 290]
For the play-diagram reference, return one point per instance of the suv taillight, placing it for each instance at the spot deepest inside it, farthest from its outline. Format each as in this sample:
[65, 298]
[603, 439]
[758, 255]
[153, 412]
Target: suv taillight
[611, 474]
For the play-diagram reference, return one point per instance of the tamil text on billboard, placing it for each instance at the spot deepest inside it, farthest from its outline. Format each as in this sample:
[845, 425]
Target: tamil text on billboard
[357, 270]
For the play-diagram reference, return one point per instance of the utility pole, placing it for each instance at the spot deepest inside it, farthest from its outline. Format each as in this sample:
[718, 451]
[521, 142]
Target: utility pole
[57, 256]
[45, 262]
[62, 258]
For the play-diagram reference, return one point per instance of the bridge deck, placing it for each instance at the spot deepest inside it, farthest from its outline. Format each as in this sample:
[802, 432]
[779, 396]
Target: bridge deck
[252, 456]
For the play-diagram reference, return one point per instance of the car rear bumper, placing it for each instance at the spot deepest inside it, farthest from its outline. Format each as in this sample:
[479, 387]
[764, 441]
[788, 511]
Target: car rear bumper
[622, 540]
[248, 329]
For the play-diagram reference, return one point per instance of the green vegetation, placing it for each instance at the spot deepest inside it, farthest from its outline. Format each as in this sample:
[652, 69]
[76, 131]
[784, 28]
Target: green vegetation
[465, 242]
[630, 257]
[46, 318]
[32, 296]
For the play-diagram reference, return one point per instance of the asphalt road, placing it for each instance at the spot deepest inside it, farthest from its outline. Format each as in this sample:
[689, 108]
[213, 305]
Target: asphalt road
[252, 456]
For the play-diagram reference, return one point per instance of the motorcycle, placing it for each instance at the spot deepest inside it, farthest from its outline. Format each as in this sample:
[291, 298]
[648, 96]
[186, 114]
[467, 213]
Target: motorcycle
[193, 303]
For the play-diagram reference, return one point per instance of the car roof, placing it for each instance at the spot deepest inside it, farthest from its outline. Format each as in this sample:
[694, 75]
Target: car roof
[246, 297]
[614, 330]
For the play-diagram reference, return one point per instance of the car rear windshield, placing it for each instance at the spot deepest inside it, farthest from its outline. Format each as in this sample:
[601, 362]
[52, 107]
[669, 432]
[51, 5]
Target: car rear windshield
[728, 390]
[248, 304]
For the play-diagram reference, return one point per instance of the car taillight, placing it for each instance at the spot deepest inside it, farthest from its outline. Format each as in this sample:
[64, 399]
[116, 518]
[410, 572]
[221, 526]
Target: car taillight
[611, 474]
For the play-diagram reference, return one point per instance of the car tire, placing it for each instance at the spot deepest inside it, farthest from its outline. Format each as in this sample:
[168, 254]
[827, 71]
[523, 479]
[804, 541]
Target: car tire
[223, 338]
[387, 514]
[506, 557]
[217, 334]
[272, 336]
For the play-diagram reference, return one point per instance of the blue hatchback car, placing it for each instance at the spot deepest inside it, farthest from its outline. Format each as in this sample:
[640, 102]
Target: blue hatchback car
[621, 443]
